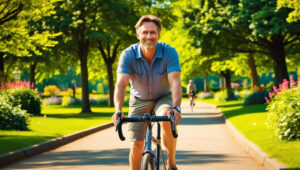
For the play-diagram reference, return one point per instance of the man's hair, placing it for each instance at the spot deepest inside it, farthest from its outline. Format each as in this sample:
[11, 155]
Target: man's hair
[148, 18]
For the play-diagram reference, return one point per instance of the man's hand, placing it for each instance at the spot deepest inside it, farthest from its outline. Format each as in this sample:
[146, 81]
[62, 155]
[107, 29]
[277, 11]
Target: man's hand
[115, 118]
[177, 116]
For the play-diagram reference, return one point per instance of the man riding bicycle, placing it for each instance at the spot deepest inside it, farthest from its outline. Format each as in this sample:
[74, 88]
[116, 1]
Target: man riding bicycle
[152, 68]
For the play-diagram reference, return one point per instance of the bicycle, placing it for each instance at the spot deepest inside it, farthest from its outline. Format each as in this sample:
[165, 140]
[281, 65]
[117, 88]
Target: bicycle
[150, 158]
[192, 103]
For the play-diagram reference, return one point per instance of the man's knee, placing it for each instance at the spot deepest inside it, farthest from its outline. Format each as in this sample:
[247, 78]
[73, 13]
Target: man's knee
[163, 112]
[136, 146]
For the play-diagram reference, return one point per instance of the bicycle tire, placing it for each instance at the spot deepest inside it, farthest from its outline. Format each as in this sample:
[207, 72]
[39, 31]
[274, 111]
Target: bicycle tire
[148, 162]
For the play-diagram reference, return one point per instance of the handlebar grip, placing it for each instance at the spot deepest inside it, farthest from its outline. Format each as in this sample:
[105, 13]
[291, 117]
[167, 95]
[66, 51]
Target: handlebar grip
[119, 126]
[173, 128]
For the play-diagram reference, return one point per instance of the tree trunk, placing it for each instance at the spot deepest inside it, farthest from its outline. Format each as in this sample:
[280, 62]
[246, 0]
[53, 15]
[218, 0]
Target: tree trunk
[110, 85]
[83, 48]
[277, 53]
[86, 108]
[109, 60]
[32, 74]
[221, 83]
[2, 76]
[253, 72]
[205, 81]
[227, 75]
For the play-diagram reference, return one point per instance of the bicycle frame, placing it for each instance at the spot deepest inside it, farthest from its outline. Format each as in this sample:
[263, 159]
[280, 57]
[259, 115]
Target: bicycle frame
[148, 143]
[149, 138]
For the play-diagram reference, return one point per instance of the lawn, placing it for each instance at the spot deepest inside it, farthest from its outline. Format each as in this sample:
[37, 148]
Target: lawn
[57, 121]
[251, 121]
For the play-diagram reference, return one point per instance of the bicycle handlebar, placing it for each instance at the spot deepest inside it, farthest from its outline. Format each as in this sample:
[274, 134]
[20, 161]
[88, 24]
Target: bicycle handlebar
[145, 118]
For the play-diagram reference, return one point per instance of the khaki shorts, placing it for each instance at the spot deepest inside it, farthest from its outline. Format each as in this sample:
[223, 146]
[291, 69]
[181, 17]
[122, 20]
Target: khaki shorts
[137, 107]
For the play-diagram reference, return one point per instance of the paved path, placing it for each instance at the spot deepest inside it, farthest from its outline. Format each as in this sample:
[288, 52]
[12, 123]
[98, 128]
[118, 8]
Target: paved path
[204, 143]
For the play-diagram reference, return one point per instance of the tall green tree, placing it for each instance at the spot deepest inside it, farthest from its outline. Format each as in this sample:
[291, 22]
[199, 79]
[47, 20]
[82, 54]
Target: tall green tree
[77, 20]
[116, 30]
[244, 26]
[105, 26]
[293, 4]
[271, 32]
[17, 38]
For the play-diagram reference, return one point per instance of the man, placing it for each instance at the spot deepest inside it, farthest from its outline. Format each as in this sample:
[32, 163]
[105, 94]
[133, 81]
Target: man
[152, 68]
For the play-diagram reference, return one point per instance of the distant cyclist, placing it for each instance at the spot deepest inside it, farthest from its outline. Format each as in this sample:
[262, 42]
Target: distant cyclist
[191, 92]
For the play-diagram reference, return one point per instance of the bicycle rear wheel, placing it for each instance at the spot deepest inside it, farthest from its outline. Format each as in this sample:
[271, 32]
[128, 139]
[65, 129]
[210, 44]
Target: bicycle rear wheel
[148, 162]
[192, 104]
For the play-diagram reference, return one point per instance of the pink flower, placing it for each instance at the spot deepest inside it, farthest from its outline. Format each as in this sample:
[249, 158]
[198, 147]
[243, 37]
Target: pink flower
[2, 86]
[280, 87]
[276, 90]
[267, 100]
[271, 94]
[11, 85]
[285, 84]
[298, 82]
[292, 82]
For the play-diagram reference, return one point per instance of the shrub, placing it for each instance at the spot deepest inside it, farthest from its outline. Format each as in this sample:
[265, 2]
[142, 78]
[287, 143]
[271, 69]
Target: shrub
[269, 86]
[205, 95]
[12, 117]
[14, 84]
[53, 101]
[27, 98]
[256, 98]
[51, 90]
[284, 114]
[244, 93]
[221, 96]
[68, 92]
[70, 101]
[102, 101]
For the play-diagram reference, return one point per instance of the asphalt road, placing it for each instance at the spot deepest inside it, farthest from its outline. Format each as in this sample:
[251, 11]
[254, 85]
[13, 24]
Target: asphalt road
[204, 143]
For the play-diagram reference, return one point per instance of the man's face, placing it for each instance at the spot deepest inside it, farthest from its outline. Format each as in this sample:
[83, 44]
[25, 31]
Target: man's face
[148, 35]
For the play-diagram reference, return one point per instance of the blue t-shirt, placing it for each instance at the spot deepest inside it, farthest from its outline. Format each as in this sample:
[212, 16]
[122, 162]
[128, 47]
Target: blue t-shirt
[149, 83]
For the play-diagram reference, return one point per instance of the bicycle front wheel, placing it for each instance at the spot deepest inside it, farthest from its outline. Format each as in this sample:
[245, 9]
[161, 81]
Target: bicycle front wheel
[148, 162]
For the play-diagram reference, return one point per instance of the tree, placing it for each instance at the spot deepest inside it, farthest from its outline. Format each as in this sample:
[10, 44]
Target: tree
[17, 36]
[244, 26]
[116, 30]
[77, 20]
[271, 32]
[293, 4]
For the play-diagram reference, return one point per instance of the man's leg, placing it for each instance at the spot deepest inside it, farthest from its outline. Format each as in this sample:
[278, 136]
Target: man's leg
[135, 156]
[137, 130]
[161, 108]
[168, 140]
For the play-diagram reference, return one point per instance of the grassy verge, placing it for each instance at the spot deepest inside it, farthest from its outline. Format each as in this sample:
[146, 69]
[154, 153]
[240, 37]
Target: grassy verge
[58, 121]
[251, 121]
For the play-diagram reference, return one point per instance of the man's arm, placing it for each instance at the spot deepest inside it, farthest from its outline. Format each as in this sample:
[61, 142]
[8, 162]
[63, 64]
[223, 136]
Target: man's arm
[175, 83]
[122, 82]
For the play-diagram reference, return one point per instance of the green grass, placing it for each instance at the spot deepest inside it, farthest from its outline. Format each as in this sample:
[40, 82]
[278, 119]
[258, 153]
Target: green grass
[59, 121]
[251, 121]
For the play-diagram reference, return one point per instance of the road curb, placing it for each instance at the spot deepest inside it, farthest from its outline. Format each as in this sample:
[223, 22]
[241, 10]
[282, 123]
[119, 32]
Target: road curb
[15, 156]
[252, 149]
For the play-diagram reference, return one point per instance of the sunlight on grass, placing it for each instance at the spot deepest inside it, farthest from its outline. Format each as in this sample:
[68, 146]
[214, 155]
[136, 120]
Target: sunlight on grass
[251, 121]
[59, 121]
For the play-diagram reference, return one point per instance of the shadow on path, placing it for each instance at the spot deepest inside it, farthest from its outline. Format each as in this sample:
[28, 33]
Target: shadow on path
[114, 157]
[200, 114]
[190, 157]
[79, 158]
[201, 120]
